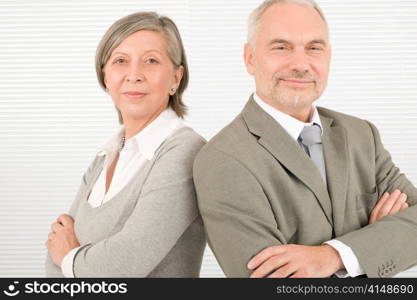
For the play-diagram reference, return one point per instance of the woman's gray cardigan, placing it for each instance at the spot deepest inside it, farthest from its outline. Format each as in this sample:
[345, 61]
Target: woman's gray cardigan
[151, 228]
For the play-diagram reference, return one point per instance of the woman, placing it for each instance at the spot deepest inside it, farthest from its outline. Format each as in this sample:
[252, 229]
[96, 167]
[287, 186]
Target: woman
[135, 214]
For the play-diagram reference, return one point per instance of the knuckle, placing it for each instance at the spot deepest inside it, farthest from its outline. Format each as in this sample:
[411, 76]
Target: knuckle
[288, 247]
[383, 211]
[272, 250]
[275, 260]
[265, 253]
[279, 273]
[300, 274]
[276, 248]
[305, 272]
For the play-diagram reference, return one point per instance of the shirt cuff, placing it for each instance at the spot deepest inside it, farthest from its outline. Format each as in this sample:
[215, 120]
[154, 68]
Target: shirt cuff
[349, 259]
[67, 266]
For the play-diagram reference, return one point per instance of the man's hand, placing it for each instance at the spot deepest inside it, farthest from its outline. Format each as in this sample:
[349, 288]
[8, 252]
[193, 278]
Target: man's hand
[389, 204]
[296, 261]
[315, 261]
[61, 239]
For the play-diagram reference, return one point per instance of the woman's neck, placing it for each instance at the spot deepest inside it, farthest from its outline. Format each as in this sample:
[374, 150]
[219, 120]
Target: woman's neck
[134, 126]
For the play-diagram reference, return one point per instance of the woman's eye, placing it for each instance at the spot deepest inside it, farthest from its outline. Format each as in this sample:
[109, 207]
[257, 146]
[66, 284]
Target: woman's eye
[119, 60]
[151, 61]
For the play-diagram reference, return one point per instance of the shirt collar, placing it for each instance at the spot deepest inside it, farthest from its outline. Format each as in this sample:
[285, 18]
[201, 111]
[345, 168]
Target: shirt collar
[112, 144]
[291, 125]
[148, 139]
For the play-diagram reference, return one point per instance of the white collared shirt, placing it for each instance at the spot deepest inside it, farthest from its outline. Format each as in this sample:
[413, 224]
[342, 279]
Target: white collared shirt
[136, 151]
[294, 127]
[290, 124]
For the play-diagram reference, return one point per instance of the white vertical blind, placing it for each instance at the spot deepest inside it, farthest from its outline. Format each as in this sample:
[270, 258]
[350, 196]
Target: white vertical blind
[53, 114]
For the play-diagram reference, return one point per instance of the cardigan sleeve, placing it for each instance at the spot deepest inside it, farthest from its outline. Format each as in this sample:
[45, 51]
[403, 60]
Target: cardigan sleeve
[164, 210]
[51, 270]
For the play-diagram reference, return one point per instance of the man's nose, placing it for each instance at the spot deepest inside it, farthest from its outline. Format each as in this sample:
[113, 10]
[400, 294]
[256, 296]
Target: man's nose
[300, 62]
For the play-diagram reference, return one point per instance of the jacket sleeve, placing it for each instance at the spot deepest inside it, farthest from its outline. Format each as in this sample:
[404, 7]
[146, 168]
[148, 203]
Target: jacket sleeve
[388, 246]
[237, 216]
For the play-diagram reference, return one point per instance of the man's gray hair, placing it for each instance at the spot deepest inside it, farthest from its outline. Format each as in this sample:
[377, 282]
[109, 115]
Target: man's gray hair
[255, 16]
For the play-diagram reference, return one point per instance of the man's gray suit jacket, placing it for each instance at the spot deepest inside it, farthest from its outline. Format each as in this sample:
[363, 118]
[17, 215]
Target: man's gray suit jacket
[256, 188]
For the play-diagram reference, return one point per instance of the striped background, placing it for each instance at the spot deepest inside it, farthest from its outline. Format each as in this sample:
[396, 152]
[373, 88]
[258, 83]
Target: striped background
[53, 114]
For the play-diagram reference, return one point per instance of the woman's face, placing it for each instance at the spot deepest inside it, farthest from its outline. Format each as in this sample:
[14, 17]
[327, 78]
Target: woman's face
[139, 76]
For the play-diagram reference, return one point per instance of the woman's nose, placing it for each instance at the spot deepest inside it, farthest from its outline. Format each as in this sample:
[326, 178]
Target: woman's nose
[135, 75]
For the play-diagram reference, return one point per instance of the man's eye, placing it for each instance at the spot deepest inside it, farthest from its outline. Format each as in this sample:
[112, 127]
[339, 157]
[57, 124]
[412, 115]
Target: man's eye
[316, 48]
[279, 48]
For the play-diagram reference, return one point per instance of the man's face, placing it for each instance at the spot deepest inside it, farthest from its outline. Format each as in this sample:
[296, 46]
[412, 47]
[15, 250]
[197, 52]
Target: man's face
[291, 57]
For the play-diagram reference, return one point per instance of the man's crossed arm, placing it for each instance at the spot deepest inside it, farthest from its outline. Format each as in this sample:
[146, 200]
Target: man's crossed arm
[315, 261]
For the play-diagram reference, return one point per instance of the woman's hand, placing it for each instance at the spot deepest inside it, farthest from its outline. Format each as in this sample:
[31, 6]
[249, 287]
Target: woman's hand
[61, 239]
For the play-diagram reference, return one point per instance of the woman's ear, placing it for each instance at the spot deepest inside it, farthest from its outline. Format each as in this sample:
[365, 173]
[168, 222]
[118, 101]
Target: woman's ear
[105, 80]
[179, 73]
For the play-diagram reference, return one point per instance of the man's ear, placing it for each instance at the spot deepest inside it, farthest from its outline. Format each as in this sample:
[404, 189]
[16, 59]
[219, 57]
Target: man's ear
[331, 52]
[248, 58]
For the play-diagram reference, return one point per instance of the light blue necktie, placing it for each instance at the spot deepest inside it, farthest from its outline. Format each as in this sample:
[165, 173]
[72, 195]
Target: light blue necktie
[310, 140]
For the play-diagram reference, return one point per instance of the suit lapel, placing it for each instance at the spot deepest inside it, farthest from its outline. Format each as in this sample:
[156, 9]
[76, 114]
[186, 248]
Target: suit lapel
[336, 158]
[288, 152]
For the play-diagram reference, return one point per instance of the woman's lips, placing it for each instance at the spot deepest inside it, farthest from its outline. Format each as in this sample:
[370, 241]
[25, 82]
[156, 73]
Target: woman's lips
[134, 95]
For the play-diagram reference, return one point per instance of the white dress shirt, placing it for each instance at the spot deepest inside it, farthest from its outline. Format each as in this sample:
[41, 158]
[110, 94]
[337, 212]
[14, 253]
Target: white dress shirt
[294, 127]
[136, 151]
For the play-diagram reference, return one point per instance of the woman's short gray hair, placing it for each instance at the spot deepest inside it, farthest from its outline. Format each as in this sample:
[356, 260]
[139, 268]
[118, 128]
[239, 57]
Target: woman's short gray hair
[130, 24]
[255, 16]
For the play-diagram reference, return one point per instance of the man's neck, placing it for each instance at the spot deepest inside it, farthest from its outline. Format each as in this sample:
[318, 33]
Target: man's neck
[302, 113]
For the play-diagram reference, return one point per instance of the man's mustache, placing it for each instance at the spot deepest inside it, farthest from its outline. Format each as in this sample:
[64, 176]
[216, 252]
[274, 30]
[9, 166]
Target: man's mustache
[294, 75]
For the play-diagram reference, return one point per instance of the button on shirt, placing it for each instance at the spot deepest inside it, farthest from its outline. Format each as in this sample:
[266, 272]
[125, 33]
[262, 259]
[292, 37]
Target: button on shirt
[294, 127]
[136, 151]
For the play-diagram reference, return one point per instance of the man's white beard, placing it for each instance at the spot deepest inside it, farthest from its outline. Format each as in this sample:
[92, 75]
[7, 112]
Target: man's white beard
[292, 100]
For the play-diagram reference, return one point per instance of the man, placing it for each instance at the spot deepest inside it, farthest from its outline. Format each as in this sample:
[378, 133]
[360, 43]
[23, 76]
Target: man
[291, 190]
